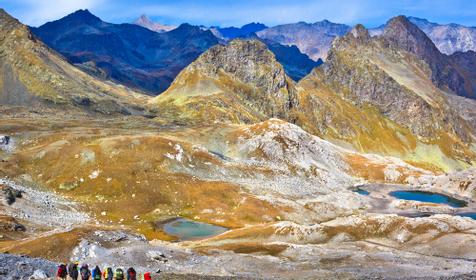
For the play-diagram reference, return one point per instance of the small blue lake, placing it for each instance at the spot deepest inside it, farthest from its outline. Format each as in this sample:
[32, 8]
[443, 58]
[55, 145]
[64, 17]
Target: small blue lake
[361, 191]
[185, 229]
[428, 197]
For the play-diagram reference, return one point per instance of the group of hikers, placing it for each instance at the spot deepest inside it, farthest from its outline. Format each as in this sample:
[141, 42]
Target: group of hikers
[75, 272]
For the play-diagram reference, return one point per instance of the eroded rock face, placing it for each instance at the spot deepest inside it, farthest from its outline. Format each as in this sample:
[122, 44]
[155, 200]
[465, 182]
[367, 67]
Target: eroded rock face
[251, 63]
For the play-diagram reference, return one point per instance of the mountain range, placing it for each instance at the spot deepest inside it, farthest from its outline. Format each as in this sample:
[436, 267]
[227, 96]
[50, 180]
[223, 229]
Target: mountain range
[313, 39]
[151, 63]
[127, 53]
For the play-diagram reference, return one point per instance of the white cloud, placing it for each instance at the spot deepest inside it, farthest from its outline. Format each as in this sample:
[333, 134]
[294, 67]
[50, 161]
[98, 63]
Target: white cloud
[37, 12]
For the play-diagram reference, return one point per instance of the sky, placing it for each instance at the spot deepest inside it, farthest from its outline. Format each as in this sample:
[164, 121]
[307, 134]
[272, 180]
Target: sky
[223, 13]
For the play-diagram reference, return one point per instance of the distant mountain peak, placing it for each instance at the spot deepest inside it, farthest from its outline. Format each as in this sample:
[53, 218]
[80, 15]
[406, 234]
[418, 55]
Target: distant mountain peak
[398, 20]
[255, 24]
[146, 22]
[188, 29]
[83, 15]
[423, 20]
[229, 33]
[144, 17]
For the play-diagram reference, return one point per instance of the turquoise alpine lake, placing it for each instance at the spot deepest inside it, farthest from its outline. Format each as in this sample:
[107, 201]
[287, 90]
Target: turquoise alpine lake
[185, 229]
[471, 215]
[361, 191]
[423, 196]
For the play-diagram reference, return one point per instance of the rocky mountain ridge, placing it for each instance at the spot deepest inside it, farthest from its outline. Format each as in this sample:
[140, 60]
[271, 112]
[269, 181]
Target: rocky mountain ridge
[378, 88]
[243, 75]
[127, 53]
[313, 39]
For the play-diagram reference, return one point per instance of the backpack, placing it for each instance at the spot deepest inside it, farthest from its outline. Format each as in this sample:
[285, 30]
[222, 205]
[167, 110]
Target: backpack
[96, 273]
[147, 276]
[131, 274]
[85, 273]
[108, 274]
[73, 271]
[62, 272]
[119, 274]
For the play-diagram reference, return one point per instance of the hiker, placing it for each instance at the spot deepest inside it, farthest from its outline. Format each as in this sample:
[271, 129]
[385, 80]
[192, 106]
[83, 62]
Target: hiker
[131, 274]
[147, 276]
[119, 274]
[62, 272]
[85, 272]
[108, 274]
[73, 271]
[97, 273]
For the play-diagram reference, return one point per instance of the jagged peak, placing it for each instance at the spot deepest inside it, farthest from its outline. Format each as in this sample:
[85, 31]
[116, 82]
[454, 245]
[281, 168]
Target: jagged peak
[402, 26]
[83, 16]
[400, 21]
[406, 35]
[144, 19]
[360, 32]
[247, 59]
[254, 24]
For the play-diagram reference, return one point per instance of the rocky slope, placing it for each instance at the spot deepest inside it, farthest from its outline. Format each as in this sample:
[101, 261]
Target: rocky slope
[126, 53]
[313, 39]
[146, 22]
[399, 73]
[32, 75]
[401, 33]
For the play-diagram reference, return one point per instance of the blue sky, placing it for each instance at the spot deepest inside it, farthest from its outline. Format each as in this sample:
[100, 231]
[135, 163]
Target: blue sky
[238, 12]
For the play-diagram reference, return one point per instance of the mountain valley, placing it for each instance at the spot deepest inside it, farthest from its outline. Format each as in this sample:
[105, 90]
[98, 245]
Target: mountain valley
[295, 157]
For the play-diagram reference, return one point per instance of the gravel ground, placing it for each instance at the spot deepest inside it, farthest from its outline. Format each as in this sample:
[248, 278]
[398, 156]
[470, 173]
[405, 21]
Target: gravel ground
[43, 208]
[19, 267]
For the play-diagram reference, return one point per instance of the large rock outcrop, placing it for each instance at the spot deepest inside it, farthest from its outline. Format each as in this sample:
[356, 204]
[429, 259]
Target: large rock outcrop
[239, 82]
